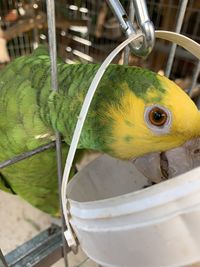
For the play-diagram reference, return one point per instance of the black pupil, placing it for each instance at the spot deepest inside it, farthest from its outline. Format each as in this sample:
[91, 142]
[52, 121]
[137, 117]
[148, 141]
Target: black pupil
[158, 116]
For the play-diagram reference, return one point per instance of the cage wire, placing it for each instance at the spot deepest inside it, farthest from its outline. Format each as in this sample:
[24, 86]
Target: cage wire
[86, 31]
[100, 32]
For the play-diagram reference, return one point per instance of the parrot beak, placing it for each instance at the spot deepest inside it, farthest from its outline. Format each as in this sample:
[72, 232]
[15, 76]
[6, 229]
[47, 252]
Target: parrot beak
[161, 166]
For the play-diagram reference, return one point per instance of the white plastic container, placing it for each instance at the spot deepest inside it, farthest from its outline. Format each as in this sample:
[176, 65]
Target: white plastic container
[117, 221]
[119, 225]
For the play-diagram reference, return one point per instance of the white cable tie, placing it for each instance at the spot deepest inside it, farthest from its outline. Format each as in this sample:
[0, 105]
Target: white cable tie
[77, 132]
[181, 40]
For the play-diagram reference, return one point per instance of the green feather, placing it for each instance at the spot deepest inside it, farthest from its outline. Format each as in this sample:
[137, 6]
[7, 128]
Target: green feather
[30, 113]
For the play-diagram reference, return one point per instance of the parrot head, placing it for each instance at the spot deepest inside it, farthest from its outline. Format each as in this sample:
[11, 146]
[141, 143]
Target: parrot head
[157, 119]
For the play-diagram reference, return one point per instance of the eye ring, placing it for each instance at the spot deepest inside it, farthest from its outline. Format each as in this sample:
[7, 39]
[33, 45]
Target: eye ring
[158, 118]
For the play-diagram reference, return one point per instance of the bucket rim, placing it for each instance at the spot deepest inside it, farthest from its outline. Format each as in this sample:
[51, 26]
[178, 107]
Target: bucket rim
[179, 188]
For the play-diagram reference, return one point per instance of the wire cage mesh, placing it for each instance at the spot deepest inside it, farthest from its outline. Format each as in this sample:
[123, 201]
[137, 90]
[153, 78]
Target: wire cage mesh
[87, 31]
[92, 31]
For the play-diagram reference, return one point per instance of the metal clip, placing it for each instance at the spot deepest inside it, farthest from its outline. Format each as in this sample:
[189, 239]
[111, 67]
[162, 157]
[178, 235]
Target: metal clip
[145, 47]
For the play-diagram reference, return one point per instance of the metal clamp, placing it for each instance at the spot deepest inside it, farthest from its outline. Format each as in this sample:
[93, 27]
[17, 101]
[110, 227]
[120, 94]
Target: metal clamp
[145, 24]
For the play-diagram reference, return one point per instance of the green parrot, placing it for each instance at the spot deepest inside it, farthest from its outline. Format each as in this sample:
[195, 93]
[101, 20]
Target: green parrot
[134, 112]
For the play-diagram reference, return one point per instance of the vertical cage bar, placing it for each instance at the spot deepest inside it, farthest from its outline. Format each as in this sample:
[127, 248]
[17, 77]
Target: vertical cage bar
[181, 14]
[195, 77]
[127, 48]
[2, 260]
[54, 83]
[126, 55]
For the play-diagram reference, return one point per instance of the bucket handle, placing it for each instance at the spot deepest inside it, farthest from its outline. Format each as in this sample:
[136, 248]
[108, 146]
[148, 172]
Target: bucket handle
[187, 43]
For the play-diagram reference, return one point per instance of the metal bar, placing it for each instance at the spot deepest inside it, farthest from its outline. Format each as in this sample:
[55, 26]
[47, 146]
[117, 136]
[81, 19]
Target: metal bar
[180, 52]
[126, 55]
[195, 77]
[121, 15]
[181, 14]
[2, 260]
[42, 251]
[127, 48]
[145, 24]
[26, 155]
[54, 82]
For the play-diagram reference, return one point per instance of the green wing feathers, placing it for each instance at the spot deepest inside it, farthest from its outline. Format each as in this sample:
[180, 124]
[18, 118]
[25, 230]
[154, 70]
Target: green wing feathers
[29, 117]
[30, 112]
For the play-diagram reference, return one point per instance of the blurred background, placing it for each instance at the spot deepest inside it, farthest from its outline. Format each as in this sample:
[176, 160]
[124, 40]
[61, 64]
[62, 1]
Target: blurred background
[87, 31]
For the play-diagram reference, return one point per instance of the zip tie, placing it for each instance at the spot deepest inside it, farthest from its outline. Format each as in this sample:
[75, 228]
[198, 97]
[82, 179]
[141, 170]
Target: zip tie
[69, 235]
[187, 43]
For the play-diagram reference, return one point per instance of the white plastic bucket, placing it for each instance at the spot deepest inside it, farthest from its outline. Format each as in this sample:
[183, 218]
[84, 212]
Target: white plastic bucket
[117, 224]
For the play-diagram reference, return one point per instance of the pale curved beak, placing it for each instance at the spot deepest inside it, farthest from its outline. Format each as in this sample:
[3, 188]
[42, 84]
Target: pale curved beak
[160, 166]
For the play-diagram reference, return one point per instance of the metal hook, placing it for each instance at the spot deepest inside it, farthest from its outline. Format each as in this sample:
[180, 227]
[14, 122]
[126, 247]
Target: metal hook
[145, 24]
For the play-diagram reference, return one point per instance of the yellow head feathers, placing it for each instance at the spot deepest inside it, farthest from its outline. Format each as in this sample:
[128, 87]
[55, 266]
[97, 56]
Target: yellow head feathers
[159, 122]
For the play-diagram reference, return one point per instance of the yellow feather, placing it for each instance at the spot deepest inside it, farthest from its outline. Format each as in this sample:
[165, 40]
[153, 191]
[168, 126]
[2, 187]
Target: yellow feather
[186, 117]
[130, 129]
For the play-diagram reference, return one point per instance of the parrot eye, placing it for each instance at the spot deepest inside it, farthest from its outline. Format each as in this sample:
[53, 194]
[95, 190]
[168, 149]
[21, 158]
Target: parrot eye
[158, 118]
